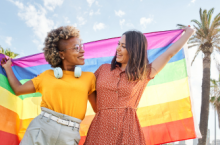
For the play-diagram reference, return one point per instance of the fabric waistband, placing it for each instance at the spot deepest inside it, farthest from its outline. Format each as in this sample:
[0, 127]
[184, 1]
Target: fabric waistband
[126, 107]
[61, 116]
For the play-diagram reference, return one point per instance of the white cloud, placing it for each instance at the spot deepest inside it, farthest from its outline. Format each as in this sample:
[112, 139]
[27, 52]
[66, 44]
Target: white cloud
[75, 25]
[21, 54]
[51, 4]
[122, 22]
[81, 20]
[129, 25]
[91, 13]
[55, 15]
[192, 1]
[94, 13]
[145, 21]
[39, 44]
[90, 2]
[119, 13]
[97, 3]
[66, 19]
[35, 18]
[99, 26]
[8, 40]
[97, 12]
[18, 4]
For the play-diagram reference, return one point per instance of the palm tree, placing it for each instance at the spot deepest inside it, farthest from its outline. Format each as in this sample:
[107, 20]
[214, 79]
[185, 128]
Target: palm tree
[8, 52]
[207, 38]
[215, 94]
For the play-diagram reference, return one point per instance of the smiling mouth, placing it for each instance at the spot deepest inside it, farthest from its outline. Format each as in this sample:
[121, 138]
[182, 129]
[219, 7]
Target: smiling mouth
[119, 55]
[81, 57]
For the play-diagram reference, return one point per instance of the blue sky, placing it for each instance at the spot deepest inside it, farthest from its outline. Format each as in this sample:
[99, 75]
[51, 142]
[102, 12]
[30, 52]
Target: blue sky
[25, 23]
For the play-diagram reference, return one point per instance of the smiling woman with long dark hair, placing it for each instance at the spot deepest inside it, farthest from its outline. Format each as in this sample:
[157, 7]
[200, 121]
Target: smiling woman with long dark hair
[120, 86]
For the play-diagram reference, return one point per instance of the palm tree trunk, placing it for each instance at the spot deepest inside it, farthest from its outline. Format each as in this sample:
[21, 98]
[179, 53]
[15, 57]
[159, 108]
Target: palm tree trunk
[204, 115]
[218, 112]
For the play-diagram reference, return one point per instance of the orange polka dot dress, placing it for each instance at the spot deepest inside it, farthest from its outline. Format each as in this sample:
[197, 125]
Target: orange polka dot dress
[116, 122]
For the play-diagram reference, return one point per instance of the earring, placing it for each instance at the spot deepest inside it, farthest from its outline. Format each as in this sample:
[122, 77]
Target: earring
[58, 72]
[77, 72]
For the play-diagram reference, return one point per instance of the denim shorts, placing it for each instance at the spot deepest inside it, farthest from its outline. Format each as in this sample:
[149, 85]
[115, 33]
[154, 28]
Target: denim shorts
[44, 131]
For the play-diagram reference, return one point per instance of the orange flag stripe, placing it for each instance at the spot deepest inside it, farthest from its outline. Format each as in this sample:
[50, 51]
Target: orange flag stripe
[150, 115]
[9, 125]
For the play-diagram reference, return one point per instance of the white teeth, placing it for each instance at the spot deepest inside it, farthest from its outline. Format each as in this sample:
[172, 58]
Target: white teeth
[81, 57]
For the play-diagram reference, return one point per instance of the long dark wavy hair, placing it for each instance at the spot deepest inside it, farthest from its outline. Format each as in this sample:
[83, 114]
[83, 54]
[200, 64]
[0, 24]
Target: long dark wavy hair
[137, 67]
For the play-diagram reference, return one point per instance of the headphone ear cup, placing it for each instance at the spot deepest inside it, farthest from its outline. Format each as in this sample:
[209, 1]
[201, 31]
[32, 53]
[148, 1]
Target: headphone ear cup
[58, 72]
[77, 72]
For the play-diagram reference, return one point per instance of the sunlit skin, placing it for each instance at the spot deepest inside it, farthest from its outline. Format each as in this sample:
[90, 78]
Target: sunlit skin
[122, 53]
[69, 54]
[71, 58]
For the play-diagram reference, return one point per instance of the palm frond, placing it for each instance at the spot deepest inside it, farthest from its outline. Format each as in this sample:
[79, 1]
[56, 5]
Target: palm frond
[2, 50]
[217, 16]
[209, 16]
[215, 36]
[213, 81]
[218, 99]
[214, 25]
[199, 31]
[180, 26]
[204, 18]
[9, 53]
[212, 99]
[190, 46]
[194, 41]
[197, 52]
[200, 13]
[217, 24]
[218, 47]
[197, 22]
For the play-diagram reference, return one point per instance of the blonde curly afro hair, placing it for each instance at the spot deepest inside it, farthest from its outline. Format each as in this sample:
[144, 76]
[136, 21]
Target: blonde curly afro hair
[51, 50]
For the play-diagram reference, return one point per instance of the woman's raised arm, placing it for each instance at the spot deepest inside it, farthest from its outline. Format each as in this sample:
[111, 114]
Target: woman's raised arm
[17, 87]
[159, 63]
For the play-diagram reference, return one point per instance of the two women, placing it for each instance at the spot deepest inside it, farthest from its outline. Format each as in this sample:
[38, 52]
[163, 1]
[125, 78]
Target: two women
[119, 89]
[64, 100]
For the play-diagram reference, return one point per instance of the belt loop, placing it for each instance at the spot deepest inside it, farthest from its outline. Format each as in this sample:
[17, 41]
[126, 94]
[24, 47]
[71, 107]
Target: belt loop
[69, 123]
[48, 119]
[79, 127]
[74, 124]
[42, 115]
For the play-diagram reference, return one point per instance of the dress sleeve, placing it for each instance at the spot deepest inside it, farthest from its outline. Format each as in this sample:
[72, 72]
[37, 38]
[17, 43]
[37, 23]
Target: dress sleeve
[37, 82]
[98, 71]
[148, 75]
[93, 84]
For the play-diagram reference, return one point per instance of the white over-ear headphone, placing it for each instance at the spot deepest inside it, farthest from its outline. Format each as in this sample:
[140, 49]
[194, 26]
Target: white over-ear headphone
[58, 72]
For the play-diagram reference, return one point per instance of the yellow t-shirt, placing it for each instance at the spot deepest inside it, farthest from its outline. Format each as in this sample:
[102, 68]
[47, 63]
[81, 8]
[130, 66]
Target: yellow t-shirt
[68, 95]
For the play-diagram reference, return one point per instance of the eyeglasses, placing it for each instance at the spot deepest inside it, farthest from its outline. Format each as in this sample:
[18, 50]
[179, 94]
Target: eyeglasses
[77, 48]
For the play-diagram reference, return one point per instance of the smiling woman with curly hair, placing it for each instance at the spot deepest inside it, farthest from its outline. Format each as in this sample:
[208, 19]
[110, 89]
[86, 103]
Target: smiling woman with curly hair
[52, 43]
[64, 100]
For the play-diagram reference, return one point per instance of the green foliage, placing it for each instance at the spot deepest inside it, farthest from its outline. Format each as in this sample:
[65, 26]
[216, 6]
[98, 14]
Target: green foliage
[207, 32]
[8, 52]
[215, 92]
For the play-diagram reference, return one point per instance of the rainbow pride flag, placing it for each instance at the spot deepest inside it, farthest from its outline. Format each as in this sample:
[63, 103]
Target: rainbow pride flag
[165, 110]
